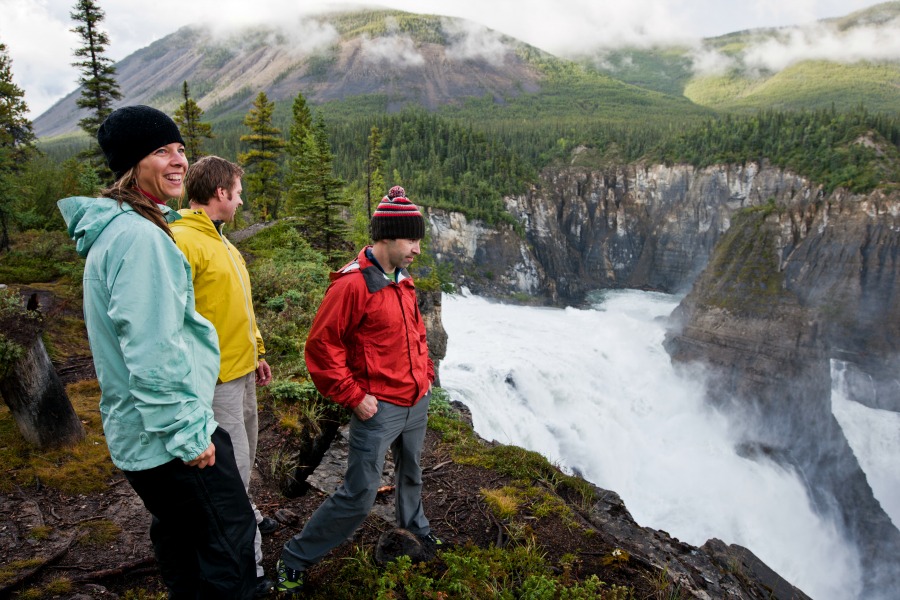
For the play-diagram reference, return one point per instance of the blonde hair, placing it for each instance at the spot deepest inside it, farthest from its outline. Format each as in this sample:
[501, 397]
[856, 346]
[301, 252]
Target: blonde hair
[125, 190]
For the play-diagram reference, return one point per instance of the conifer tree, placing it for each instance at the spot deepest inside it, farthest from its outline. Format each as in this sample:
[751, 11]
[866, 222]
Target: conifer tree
[315, 195]
[16, 142]
[189, 118]
[260, 162]
[99, 86]
[300, 152]
[333, 226]
[374, 169]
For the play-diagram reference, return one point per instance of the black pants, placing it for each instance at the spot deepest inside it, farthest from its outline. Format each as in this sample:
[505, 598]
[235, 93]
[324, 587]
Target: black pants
[203, 526]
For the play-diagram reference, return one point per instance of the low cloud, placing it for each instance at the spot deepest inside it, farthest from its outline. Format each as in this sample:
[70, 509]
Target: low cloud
[301, 37]
[470, 41]
[712, 62]
[397, 50]
[822, 41]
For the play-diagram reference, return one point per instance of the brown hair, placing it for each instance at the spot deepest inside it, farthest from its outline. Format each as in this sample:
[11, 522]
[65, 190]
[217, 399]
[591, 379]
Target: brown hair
[125, 190]
[208, 174]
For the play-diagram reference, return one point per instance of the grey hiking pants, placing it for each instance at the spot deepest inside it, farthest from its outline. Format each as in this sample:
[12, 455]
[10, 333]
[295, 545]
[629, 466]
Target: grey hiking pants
[402, 429]
[235, 410]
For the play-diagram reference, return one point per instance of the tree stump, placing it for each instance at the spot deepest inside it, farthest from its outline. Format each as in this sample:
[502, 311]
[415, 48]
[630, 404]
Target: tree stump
[29, 383]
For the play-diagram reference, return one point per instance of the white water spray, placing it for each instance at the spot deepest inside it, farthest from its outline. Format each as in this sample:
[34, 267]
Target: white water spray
[874, 437]
[594, 391]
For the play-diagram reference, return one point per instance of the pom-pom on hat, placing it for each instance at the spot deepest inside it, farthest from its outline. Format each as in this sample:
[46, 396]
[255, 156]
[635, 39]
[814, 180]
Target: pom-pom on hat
[132, 132]
[396, 218]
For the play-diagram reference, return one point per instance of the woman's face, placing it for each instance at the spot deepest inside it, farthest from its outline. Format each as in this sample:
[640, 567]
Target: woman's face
[161, 173]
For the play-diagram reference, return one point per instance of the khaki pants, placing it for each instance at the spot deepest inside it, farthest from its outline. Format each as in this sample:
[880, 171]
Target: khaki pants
[234, 405]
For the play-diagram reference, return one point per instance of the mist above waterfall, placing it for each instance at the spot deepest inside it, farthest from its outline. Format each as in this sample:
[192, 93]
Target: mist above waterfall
[594, 391]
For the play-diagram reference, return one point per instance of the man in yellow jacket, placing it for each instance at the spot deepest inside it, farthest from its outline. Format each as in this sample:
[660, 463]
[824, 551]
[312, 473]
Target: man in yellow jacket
[222, 295]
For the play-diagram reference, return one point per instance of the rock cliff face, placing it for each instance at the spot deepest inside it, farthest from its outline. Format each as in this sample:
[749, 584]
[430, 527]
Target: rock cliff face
[785, 284]
[790, 292]
[636, 226]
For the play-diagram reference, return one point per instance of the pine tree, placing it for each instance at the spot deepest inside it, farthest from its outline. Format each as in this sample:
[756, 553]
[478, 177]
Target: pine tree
[260, 162]
[189, 117]
[16, 142]
[99, 87]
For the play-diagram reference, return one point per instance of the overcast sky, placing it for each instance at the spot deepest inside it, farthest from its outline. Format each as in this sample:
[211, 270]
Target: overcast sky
[37, 36]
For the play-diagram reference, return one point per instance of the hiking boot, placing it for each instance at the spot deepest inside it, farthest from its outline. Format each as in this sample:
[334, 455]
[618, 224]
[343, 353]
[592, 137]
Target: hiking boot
[431, 542]
[263, 587]
[290, 581]
[267, 526]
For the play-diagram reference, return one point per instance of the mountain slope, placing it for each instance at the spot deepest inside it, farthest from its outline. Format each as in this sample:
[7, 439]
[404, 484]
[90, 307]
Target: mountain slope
[835, 61]
[380, 60]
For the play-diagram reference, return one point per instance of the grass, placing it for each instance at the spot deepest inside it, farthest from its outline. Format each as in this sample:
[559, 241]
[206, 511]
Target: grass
[99, 532]
[745, 274]
[806, 85]
[80, 469]
[519, 571]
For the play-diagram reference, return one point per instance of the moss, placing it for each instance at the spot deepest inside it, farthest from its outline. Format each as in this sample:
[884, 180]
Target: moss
[743, 276]
[99, 532]
[11, 570]
[39, 532]
[504, 502]
[80, 469]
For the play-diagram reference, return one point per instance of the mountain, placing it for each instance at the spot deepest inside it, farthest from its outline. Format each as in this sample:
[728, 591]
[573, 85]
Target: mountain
[366, 62]
[833, 62]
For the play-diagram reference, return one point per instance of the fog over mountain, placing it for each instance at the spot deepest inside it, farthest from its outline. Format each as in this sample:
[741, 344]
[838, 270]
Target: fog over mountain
[40, 42]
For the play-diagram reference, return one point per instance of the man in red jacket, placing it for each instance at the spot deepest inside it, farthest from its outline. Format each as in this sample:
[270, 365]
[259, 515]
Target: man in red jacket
[366, 350]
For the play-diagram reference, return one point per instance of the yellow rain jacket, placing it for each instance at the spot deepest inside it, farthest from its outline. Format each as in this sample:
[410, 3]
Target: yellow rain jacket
[221, 290]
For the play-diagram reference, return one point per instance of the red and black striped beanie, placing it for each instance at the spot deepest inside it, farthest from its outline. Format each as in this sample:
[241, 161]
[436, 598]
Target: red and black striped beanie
[396, 218]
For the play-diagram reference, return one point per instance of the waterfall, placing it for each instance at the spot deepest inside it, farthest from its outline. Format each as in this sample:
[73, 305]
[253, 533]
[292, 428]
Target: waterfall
[595, 392]
[874, 437]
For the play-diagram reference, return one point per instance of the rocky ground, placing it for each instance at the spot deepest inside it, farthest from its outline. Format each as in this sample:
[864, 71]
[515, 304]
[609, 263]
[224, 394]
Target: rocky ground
[75, 540]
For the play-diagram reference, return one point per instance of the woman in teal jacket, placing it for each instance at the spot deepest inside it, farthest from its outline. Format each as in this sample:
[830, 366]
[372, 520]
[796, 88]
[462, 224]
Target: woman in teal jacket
[157, 361]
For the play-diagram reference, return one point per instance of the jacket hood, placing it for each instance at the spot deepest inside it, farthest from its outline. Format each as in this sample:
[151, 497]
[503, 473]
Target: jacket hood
[196, 218]
[86, 218]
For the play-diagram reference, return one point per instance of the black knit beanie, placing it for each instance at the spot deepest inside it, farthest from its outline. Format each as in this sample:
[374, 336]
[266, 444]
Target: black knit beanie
[396, 218]
[132, 132]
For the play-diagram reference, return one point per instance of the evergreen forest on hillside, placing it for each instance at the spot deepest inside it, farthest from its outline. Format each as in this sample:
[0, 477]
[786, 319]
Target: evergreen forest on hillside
[468, 163]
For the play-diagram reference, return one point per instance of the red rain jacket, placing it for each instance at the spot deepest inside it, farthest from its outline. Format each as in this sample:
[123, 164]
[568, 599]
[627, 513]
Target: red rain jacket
[368, 338]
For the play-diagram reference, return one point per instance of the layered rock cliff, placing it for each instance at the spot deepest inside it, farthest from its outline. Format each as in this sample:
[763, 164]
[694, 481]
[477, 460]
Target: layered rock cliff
[634, 226]
[790, 292]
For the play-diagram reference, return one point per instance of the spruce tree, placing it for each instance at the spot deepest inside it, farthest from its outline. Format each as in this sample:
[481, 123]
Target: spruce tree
[16, 143]
[314, 194]
[189, 117]
[328, 202]
[260, 162]
[300, 151]
[99, 86]
[374, 170]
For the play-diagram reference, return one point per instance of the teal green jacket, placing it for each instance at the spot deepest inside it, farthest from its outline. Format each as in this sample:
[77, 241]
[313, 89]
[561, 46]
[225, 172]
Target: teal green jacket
[156, 358]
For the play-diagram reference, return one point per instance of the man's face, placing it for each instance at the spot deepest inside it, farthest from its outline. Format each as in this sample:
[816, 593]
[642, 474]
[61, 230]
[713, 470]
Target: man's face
[401, 253]
[230, 200]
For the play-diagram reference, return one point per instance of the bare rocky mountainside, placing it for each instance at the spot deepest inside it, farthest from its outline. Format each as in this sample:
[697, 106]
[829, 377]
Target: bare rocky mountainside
[442, 61]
